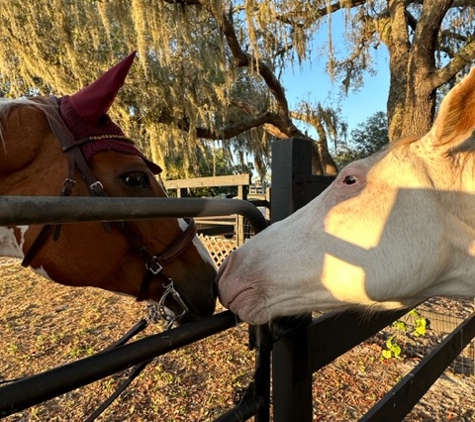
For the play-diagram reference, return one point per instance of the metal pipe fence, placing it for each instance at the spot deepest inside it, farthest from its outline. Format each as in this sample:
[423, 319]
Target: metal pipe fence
[25, 210]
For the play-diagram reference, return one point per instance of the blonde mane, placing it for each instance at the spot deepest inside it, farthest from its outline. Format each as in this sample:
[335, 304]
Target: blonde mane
[405, 141]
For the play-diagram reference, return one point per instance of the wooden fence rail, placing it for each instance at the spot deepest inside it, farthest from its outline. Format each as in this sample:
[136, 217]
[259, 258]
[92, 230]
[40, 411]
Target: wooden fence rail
[223, 225]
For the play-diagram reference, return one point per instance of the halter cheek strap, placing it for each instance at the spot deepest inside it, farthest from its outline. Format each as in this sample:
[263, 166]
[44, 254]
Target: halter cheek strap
[155, 263]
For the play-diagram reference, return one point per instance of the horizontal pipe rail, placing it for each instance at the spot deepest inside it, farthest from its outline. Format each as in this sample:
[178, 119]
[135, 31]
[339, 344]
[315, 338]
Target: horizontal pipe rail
[24, 210]
[35, 389]
[244, 411]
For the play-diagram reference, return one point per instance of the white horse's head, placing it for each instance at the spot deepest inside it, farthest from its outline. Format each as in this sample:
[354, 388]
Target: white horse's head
[391, 230]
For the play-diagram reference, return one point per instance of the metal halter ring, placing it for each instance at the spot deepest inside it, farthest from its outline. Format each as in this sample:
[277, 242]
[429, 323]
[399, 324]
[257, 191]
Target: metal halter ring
[167, 314]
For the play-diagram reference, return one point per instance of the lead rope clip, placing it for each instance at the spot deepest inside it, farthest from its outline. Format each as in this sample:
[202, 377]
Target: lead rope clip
[166, 313]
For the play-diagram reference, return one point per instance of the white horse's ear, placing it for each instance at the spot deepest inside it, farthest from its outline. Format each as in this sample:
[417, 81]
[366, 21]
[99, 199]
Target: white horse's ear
[456, 118]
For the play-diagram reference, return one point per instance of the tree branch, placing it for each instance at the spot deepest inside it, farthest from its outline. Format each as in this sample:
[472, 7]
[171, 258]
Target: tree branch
[240, 127]
[242, 59]
[463, 58]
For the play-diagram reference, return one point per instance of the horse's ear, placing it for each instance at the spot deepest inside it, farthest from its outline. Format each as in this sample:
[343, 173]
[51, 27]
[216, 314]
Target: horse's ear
[95, 100]
[456, 118]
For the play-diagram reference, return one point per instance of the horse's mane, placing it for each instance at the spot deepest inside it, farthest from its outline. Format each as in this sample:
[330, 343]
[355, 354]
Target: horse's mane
[405, 141]
[8, 105]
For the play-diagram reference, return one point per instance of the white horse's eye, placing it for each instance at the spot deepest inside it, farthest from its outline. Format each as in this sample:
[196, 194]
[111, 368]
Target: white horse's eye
[349, 180]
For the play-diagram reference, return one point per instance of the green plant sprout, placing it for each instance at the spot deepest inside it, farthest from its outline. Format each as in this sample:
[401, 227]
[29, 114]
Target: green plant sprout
[417, 328]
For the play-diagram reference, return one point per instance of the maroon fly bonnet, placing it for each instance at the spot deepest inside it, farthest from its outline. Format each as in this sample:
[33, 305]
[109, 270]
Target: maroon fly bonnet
[85, 115]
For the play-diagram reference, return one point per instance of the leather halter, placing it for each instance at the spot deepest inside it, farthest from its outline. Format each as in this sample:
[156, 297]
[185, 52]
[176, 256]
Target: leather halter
[154, 263]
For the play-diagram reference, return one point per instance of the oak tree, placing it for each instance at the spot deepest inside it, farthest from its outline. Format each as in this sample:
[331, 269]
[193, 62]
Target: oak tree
[210, 71]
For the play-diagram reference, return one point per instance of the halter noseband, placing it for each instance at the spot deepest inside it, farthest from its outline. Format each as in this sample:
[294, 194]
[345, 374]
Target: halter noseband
[153, 263]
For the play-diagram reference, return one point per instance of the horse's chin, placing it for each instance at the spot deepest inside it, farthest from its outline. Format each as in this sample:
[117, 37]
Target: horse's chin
[189, 317]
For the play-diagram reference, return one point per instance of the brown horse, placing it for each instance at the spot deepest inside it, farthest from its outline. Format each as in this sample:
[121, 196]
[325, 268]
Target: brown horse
[50, 146]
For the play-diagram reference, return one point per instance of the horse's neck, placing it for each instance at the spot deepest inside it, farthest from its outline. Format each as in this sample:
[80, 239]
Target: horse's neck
[25, 138]
[457, 217]
[31, 160]
[25, 144]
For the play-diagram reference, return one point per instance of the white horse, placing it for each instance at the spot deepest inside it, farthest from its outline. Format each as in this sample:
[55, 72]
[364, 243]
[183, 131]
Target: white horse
[392, 230]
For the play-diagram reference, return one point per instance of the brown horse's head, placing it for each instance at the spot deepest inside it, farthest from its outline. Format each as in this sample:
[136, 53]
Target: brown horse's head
[32, 162]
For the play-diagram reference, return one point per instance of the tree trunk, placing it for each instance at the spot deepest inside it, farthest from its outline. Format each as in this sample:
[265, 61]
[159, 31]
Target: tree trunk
[419, 110]
[396, 37]
[412, 97]
[421, 91]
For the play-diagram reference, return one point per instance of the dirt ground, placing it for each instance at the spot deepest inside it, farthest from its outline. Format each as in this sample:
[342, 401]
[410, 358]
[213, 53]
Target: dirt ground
[45, 325]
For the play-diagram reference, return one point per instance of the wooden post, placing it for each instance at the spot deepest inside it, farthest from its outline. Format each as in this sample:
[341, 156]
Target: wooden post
[269, 204]
[242, 194]
[182, 193]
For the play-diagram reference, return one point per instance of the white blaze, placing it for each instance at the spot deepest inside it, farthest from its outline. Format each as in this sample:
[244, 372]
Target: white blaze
[202, 250]
[8, 243]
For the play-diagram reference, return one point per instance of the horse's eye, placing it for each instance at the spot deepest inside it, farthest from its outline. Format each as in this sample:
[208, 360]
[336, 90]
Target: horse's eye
[349, 180]
[136, 179]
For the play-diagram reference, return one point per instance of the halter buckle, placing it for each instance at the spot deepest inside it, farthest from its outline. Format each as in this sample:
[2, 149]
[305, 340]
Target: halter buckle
[97, 188]
[68, 185]
[167, 314]
[153, 266]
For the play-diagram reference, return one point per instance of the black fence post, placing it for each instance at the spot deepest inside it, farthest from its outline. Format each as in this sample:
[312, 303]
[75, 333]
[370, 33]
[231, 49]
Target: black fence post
[289, 158]
[292, 382]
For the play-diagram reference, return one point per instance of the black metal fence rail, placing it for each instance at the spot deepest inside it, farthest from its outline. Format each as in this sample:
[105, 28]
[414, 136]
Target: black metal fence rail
[298, 350]
[25, 210]
[35, 389]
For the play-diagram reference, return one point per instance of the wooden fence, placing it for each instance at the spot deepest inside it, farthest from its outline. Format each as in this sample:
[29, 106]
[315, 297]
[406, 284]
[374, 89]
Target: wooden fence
[287, 354]
[223, 234]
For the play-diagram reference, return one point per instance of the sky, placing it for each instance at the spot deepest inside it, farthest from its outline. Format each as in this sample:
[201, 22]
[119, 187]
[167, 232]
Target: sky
[315, 85]
[311, 83]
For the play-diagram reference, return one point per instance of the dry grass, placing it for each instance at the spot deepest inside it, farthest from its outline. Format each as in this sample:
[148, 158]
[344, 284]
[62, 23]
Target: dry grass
[45, 325]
